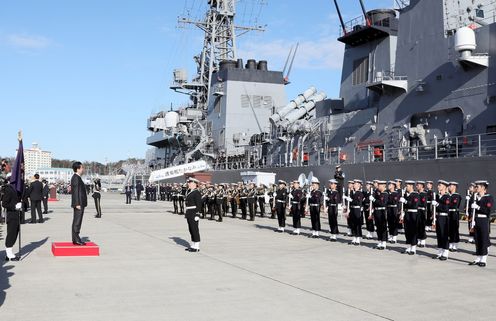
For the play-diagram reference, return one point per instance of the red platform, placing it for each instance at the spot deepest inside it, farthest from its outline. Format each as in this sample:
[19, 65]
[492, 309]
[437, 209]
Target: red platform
[69, 249]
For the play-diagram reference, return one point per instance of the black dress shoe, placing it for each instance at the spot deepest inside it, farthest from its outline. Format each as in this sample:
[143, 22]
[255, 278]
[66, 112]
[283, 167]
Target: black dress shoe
[474, 263]
[80, 243]
[32, 222]
[15, 258]
[481, 264]
[351, 243]
[411, 253]
[443, 258]
[436, 257]
[405, 252]
[41, 221]
[333, 240]
[193, 250]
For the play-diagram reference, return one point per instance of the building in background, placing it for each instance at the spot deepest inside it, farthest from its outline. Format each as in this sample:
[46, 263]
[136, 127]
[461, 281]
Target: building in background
[35, 158]
[56, 175]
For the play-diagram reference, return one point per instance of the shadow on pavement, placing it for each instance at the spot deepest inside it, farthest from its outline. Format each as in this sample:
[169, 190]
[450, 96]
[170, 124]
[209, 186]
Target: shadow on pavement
[179, 241]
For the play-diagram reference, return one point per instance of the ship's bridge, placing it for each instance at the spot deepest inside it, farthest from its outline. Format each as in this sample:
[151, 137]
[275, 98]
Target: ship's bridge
[376, 24]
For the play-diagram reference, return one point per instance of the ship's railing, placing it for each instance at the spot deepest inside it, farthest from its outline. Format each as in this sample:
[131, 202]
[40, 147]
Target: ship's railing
[439, 148]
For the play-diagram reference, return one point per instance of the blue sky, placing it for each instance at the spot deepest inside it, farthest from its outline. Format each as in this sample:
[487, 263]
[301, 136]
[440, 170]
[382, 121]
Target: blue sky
[80, 78]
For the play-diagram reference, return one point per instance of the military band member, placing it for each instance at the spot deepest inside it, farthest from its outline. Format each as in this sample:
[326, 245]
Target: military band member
[442, 204]
[379, 203]
[454, 217]
[251, 200]
[422, 214]
[410, 202]
[233, 198]
[280, 199]
[392, 212]
[355, 212]
[180, 198]
[482, 207]
[225, 200]
[272, 201]
[219, 194]
[193, 206]
[333, 199]
[243, 200]
[261, 199]
[469, 199]
[369, 224]
[175, 198]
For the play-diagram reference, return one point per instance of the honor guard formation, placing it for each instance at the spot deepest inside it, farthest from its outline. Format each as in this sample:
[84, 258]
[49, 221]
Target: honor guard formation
[375, 209]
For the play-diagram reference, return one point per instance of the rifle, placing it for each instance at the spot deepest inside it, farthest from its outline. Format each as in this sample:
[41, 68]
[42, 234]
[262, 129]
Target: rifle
[472, 223]
[467, 204]
[434, 197]
[370, 205]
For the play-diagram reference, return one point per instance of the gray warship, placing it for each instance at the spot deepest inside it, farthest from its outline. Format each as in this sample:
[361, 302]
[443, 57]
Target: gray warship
[417, 100]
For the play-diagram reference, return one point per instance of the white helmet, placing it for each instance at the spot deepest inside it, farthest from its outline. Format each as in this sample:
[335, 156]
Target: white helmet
[315, 180]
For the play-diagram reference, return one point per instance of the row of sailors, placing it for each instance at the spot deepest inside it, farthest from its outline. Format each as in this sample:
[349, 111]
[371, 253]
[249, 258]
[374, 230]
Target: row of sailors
[383, 207]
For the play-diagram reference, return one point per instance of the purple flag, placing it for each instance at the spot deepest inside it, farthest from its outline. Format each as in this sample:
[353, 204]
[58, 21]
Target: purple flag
[17, 178]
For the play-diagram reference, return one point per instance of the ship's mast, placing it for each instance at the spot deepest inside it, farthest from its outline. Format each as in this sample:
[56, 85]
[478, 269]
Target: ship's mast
[219, 44]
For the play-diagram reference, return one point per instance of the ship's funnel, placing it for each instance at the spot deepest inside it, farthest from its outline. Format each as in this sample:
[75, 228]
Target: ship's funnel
[300, 99]
[303, 110]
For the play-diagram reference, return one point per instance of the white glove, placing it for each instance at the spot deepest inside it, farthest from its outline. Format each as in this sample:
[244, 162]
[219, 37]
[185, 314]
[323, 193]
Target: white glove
[348, 198]
[274, 194]
[371, 198]
[475, 206]
[434, 203]
[403, 200]
[18, 206]
[197, 218]
[467, 198]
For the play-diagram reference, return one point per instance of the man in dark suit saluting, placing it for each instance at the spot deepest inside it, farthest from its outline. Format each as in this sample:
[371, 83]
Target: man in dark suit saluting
[35, 196]
[79, 201]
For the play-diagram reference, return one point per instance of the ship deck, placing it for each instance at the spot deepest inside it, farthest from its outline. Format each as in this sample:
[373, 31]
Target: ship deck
[244, 271]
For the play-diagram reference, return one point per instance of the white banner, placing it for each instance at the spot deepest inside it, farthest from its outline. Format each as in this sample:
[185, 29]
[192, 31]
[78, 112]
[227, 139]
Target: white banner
[176, 171]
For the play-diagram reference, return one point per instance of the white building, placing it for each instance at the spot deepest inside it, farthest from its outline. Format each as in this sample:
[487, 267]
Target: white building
[35, 158]
[56, 175]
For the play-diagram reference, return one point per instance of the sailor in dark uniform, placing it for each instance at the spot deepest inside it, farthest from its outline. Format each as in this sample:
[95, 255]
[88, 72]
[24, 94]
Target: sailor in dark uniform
[280, 198]
[346, 207]
[392, 212]
[369, 224]
[469, 199]
[295, 199]
[12, 205]
[422, 214]
[430, 197]
[333, 199]
[315, 202]
[410, 202]
[193, 206]
[454, 217]
[379, 203]
[355, 212]
[482, 206]
[442, 205]
[401, 192]
[233, 195]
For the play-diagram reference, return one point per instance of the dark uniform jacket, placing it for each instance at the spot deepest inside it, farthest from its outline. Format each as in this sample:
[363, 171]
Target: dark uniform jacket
[9, 198]
[193, 198]
[333, 197]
